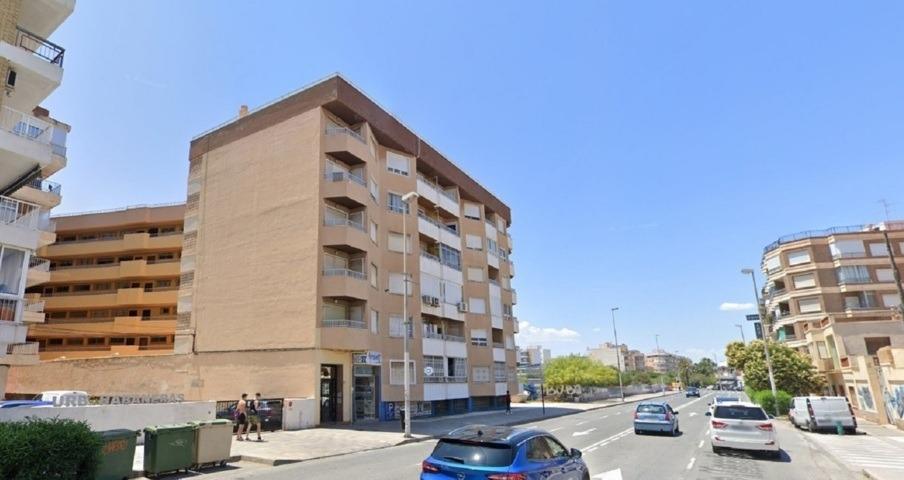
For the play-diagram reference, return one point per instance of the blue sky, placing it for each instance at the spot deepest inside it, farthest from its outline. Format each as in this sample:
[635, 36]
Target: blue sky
[649, 150]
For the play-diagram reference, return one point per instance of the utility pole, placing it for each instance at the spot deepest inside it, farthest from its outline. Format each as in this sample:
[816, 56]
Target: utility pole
[741, 328]
[405, 320]
[767, 335]
[659, 352]
[621, 387]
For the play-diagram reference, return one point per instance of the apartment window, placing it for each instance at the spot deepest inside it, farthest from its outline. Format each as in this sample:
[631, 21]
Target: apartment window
[477, 305]
[798, 257]
[96, 341]
[437, 364]
[809, 305]
[452, 293]
[397, 164]
[847, 249]
[472, 211]
[374, 276]
[374, 189]
[891, 300]
[885, 275]
[509, 342]
[492, 246]
[395, 203]
[12, 263]
[374, 321]
[499, 373]
[473, 242]
[773, 264]
[478, 337]
[397, 372]
[395, 242]
[873, 344]
[853, 274]
[397, 327]
[475, 274]
[373, 231]
[481, 374]
[821, 349]
[878, 250]
[431, 286]
[458, 367]
[861, 300]
[397, 283]
[449, 256]
[804, 281]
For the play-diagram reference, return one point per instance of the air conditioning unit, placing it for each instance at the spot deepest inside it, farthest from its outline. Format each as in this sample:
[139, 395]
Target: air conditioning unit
[430, 300]
[463, 307]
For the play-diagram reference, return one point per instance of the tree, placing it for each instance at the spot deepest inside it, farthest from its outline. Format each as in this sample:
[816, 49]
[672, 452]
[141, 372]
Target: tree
[685, 368]
[793, 371]
[575, 370]
[705, 367]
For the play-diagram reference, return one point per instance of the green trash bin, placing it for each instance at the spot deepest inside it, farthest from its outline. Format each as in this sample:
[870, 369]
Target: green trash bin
[117, 454]
[168, 448]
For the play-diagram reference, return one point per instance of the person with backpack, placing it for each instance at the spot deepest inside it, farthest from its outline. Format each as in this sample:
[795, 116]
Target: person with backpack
[254, 417]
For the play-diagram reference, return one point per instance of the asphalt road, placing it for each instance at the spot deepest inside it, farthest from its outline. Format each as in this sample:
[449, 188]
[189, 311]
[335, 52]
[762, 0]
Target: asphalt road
[611, 450]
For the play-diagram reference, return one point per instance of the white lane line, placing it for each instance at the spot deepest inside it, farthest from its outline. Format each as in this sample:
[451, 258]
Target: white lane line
[592, 449]
[700, 445]
[610, 439]
[605, 416]
[690, 464]
[610, 475]
[585, 432]
[693, 414]
[581, 423]
[555, 429]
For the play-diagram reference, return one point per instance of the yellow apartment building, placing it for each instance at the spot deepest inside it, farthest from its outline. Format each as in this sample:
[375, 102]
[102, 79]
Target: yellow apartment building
[112, 284]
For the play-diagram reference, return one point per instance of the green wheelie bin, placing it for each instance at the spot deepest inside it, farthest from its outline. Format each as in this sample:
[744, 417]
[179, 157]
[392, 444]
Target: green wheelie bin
[168, 448]
[117, 454]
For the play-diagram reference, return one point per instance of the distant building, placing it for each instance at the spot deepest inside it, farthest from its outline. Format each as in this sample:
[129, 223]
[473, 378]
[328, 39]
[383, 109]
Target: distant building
[661, 361]
[533, 355]
[618, 357]
[635, 361]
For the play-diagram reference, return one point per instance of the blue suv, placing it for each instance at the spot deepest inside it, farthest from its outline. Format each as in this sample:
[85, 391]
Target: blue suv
[502, 453]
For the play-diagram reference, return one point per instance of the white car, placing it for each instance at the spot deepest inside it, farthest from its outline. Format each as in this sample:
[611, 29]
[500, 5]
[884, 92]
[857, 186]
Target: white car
[815, 413]
[722, 399]
[743, 426]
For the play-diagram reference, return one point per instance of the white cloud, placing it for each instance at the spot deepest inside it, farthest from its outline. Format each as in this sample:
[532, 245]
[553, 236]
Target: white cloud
[530, 334]
[735, 307]
[597, 329]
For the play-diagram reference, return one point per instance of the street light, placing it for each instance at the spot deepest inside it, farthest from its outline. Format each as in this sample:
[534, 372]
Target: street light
[741, 328]
[621, 388]
[406, 321]
[767, 333]
[659, 352]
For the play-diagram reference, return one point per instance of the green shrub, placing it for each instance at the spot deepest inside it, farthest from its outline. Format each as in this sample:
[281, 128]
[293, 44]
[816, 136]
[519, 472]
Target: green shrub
[48, 449]
[765, 399]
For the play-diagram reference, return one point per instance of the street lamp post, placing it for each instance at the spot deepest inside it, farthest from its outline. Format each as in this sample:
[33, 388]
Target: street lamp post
[659, 352]
[767, 334]
[405, 320]
[621, 387]
[741, 328]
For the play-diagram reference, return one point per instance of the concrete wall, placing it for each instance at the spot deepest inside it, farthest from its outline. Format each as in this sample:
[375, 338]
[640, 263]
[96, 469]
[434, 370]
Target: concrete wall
[109, 417]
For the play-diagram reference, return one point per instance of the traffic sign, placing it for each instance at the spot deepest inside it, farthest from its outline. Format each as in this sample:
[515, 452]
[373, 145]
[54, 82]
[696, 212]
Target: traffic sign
[758, 328]
[753, 317]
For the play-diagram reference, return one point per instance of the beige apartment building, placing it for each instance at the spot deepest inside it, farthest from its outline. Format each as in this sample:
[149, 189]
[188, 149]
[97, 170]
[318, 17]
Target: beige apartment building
[618, 357]
[832, 295]
[32, 148]
[661, 361]
[112, 284]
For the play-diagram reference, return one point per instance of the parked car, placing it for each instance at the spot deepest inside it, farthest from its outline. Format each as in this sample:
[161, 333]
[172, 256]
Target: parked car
[692, 392]
[24, 404]
[816, 413]
[656, 417]
[502, 453]
[743, 426]
[721, 399]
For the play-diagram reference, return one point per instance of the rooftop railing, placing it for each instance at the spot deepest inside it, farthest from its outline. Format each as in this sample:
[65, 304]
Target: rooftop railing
[828, 232]
[40, 47]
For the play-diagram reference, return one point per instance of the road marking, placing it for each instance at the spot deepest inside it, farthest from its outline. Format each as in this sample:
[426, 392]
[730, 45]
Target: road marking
[700, 445]
[555, 429]
[610, 439]
[585, 432]
[610, 475]
[591, 449]
[693, 414]
[605, 416]
[690, 464]
[581, 423]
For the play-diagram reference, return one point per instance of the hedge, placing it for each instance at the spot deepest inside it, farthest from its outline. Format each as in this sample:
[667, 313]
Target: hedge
[765, 399]
[55, 448]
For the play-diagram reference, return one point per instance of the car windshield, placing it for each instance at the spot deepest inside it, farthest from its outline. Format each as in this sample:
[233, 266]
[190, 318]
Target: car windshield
[476, 454]
[651, 409]
[740, 412]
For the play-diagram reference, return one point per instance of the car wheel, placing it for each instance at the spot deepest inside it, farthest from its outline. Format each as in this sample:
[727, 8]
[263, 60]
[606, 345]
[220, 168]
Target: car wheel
[717, 450]
[774, 455]
[637, 432]
[850, 431]
[811, 426]
[586, 476]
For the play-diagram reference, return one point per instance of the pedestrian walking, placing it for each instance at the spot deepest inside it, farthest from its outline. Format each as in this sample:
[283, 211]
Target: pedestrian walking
[241, 419]
[254, 417]
[508, 403]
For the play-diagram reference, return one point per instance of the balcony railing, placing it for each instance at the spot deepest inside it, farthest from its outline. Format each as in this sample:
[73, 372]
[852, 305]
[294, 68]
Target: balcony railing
[338, 272]
[430, 256]
[442, 379]
[825, 233]
[46, 186]
[27, 348]
[437, 224]
[344, 177]
[498, 345]
[343, 323]
[443, 336]
[38, 263]
[17, 212]
[335, 130]
[343, 222]
[40, 47]
[854, 280]
[25, 125]
[837, 255]
[8, 308]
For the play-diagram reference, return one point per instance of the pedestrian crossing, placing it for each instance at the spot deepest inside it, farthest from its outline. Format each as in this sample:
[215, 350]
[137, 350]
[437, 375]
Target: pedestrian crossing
[863, 451]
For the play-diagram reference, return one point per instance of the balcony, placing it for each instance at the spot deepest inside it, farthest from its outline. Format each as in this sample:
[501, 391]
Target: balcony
[38, 271]
[126, 242]
[111, 271]
[346, 145]
[438, 231]
[24, 143]
[346, 189]
[345, 334]
[154, 325]
[44, 16]
[444, 198]
[20, 354]
[33, 313]
[346, 234]
[345, 283]
[159, 296]
[19, 223]
[443, 344]
[41, 192]
[39, 68]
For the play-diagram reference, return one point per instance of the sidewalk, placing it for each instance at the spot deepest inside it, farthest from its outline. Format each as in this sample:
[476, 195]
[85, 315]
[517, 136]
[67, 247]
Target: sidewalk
[284, 447]
[877, 452]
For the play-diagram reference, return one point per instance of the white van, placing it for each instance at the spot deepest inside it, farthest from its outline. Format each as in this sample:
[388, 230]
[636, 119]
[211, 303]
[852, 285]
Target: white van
[64, 398]
[816, 413]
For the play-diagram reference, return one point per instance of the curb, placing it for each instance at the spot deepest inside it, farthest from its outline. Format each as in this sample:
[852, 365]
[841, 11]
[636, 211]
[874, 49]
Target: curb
[868, 474]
